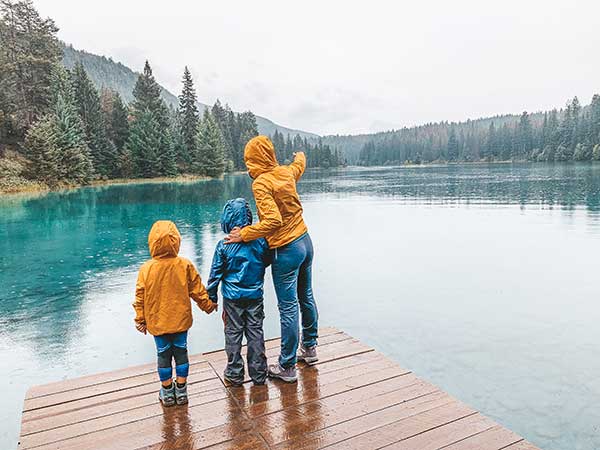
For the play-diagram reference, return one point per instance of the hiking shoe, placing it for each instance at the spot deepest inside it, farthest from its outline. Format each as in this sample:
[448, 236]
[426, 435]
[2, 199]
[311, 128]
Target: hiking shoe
[167, 396]
[233, 381]
[181, 397]
[308, 354]
[288, 375]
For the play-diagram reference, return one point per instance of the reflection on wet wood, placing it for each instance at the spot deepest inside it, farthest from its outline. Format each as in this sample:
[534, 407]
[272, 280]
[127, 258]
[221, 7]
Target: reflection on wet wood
[353, 398]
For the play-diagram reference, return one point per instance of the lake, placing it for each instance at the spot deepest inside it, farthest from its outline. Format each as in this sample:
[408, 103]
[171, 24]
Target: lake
[483, 279]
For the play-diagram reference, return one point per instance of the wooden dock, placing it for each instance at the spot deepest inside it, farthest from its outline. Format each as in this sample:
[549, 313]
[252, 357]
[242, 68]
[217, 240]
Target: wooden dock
[353, 398]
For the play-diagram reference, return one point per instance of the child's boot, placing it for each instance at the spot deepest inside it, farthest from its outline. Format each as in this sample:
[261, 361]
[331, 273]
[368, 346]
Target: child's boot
[167, 395]
[181, 396]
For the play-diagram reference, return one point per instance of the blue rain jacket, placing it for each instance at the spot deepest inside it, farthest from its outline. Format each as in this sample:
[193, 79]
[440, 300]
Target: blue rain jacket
[239, 267]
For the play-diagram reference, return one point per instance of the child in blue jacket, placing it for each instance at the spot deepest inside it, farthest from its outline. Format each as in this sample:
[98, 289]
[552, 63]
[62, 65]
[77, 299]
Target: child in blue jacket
[240, 268]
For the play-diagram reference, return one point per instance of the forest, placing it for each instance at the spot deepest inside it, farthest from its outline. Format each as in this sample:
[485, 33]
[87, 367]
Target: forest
[57, 128]
[569, 134]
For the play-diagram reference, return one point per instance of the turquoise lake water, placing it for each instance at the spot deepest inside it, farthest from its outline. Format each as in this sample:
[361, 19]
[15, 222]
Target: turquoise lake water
[481, 279]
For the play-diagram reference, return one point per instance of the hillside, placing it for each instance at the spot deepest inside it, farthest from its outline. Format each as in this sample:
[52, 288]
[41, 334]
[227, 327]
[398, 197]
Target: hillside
[105, 72]
[352, 145]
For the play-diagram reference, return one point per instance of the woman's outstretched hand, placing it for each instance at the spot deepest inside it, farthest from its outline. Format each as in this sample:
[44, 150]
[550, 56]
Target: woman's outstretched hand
[234, 236]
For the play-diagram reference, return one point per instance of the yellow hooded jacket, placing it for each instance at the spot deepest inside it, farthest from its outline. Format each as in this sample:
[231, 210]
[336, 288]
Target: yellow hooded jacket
[274, 188]
[165, 284]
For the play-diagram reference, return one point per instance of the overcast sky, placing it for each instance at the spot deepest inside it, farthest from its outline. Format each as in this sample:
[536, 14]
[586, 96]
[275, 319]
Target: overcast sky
[351, 67]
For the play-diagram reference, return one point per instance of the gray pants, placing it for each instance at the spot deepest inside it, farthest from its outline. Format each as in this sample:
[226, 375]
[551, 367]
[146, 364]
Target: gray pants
[245, 317]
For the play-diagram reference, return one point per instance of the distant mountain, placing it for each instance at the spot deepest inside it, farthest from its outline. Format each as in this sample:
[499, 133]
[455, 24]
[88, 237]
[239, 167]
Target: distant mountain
[105, 72]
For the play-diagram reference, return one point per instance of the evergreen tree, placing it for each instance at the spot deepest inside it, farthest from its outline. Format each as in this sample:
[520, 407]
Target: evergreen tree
[119, 122]
[188, 120]
[143, 145]
[149, 105]
[210, 160]
[40, 147]
[75, 163]
[29, 50]
[452, 151]
[222, 116]
[525, 136]
[103, 152]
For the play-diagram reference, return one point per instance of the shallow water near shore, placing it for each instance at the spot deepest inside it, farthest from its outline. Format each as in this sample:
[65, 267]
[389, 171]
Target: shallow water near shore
[481, 279]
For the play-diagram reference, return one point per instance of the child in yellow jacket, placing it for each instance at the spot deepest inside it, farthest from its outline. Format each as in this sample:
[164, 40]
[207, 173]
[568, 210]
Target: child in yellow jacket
[163, 308]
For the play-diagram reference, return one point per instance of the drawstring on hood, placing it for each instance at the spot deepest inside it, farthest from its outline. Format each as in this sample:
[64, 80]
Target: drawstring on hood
[259, 156]
[164, 240]
[236, 213]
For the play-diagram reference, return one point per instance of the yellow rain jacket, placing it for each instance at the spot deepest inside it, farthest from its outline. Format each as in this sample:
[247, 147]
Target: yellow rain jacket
[274, 188]
[165, 284]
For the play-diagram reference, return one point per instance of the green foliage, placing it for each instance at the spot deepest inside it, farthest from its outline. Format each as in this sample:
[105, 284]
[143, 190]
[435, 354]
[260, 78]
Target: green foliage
[151, 130]
[118, 128]
[42, 151]
[145, 140]
[210, 157]
[317, 155]
[566, 135]
[187, 121]
[87, 99]
[29, 50]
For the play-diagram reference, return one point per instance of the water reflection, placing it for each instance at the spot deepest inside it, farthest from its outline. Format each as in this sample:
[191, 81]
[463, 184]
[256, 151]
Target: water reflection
[564, 185]
[504, 270]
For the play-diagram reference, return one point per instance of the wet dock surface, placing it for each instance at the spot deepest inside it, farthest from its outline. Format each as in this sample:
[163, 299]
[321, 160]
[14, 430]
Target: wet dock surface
[353, 398]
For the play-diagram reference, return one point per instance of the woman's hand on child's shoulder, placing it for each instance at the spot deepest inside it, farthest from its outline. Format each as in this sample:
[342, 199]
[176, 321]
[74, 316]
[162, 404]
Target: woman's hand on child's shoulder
[141, 327]
[234, 236]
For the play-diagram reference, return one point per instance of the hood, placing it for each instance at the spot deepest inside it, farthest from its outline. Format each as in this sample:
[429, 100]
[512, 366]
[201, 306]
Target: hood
[236, 213]
[164, 239]
[259, 156]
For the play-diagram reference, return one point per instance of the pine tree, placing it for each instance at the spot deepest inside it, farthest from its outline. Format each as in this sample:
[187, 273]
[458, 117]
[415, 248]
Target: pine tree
[222, 116]
[104, 155]
[145, 140]
[210, 160]
[119, 123]
[41, 149]
[525, 136]
[75, 163]
[452, 151]
[188, 119]
[29, 50]
[161, 153]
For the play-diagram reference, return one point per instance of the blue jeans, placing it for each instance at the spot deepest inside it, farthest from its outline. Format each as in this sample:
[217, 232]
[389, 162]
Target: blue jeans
[171, 347]
[292, 277]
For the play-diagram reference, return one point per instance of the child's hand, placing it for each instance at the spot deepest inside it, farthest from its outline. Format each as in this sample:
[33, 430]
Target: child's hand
[141, 327]
[213, 307]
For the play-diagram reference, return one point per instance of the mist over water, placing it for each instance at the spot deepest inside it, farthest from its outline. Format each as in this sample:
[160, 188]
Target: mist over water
[481, 279]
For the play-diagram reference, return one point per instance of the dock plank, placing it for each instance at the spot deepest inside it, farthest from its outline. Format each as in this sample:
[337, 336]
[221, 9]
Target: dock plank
[352, 398]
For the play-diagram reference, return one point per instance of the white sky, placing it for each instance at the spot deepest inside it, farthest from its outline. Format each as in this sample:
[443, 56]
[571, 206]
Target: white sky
[334, 66]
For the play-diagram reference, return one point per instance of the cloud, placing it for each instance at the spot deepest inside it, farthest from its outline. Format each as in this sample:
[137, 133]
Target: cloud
[351, 67]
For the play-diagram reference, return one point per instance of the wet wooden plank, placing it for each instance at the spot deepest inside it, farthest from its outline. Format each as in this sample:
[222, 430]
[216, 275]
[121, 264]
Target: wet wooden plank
[523, 445]
[329, 352]
[353, 398]
[407, 427]
[344, 431]
[495, 438]
[201, 371]
[209, 390]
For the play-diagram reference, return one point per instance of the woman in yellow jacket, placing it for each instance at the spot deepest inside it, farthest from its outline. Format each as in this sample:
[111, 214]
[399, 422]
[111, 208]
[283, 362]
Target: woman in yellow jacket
[281, 223]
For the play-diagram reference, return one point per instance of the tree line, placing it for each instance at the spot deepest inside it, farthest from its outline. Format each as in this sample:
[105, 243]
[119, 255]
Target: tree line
[571, 134]
[68, 132]
[317, 153]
